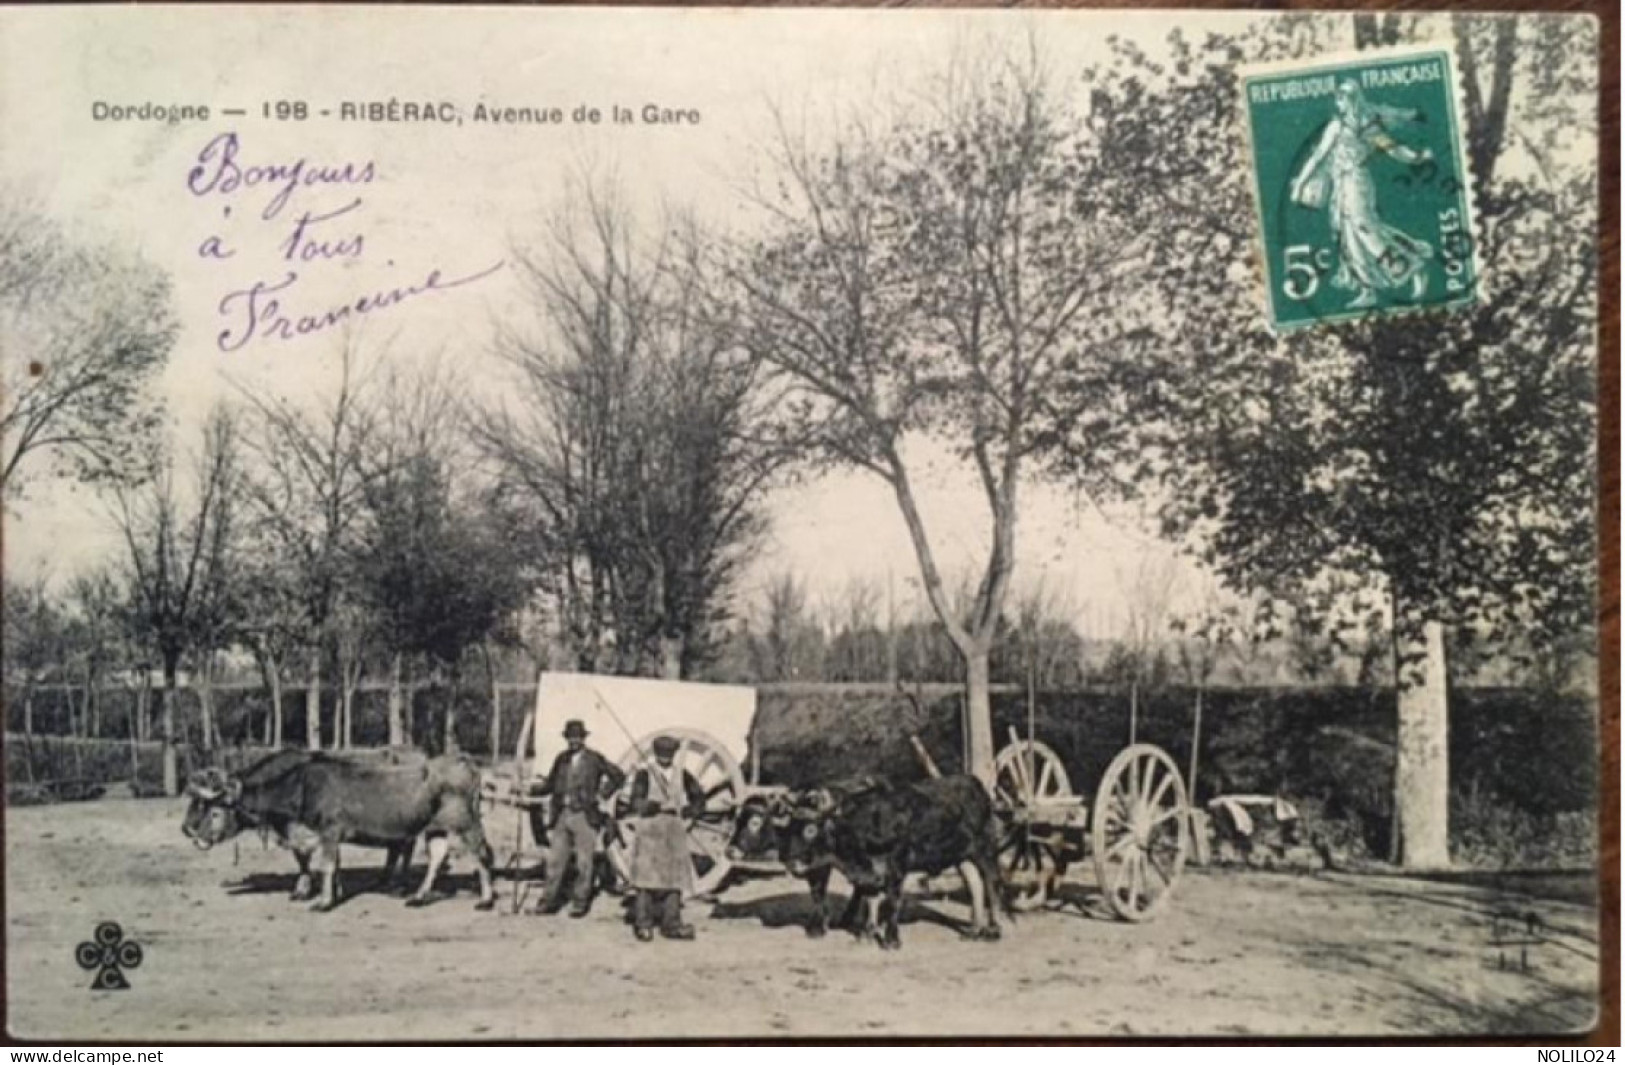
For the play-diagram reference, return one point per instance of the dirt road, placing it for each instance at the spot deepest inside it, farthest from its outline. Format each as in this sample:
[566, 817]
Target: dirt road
[227, 956]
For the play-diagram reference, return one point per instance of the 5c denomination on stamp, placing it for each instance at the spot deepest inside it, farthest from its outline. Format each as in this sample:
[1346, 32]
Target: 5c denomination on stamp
[1363, 190]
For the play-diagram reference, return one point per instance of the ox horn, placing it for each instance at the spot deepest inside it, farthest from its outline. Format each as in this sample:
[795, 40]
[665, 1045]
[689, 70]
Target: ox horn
[817, 801]
[212, 783]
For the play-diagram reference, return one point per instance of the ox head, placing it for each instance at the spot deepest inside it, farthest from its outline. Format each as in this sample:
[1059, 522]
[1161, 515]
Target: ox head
[212, 815]
[753, 837]
[795, 825]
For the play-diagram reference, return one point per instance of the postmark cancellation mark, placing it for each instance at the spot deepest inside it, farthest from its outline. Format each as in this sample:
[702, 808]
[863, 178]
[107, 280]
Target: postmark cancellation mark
[1363, 191]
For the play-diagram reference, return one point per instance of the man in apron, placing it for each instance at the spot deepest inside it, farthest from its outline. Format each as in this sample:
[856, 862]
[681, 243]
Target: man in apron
[665, 797]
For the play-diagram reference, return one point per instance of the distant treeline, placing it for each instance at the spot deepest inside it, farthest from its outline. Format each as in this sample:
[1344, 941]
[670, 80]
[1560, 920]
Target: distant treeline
[1525, 751]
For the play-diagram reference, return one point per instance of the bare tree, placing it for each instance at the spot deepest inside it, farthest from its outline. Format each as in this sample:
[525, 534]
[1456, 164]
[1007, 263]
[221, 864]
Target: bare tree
[178, 556]
[95, 603]
[1045, 641]
[787, 642]
[631, 455]
[307, 489]
[858, 646]
[34, 641]
[84, 330]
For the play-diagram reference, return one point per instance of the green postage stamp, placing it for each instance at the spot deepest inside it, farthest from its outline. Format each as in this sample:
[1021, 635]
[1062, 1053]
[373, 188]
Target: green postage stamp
[1362, 185]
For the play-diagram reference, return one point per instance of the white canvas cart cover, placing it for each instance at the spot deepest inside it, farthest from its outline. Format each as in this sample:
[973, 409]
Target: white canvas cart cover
[619, 710]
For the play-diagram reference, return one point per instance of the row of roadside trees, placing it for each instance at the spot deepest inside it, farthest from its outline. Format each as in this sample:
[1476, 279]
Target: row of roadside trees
[1050, 273]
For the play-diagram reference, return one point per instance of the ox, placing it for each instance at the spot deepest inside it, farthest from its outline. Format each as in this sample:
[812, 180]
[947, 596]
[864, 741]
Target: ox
[314, 803]
[876, 835]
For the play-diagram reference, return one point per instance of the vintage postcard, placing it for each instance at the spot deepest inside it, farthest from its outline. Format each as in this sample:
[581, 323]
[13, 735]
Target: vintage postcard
[623, 523]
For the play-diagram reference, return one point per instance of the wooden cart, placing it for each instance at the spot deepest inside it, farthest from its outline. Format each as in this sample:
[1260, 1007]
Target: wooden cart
[1137, 832]
[623, 715]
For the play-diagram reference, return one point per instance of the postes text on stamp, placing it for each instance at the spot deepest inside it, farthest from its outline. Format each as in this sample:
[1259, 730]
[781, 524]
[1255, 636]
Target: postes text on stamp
[1363, 191]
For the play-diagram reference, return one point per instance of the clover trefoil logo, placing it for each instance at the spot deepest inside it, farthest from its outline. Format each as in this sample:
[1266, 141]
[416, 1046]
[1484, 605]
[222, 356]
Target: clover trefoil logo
[109, 954]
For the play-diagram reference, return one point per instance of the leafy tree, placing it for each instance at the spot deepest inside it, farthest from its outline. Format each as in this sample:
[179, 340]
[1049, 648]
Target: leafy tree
[1419, 473]
[84, 330]
[934, 279]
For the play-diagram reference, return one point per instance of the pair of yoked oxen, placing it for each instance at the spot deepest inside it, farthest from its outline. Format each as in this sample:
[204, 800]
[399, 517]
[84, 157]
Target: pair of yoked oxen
[875, 833]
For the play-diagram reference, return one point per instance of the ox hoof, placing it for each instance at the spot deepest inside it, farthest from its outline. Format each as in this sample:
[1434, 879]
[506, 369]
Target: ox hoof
[417, 902]
[485, 904]
[815, 931]
[323, 907]
[890, 944]
[990, 934]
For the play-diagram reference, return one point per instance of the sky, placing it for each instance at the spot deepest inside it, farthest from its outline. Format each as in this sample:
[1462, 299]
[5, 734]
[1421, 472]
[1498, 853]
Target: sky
[458, 198]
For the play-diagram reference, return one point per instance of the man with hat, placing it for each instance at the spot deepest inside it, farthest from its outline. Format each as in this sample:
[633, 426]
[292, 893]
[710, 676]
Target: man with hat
[579, 781]
[665, 797]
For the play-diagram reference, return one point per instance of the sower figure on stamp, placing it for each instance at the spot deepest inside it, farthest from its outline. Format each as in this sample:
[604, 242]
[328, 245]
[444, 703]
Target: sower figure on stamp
[580, 780]
[1375, 256]
[665, 797]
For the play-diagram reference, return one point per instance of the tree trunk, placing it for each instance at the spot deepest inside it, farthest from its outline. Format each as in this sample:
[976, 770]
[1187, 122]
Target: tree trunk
[343, 731]
[135, 737]
[671, 657]
[143, 696]
[172, 776]
[448, 743]
[275, 675]
[978, 717]
[496, 705]
[1422, 767]
[1196, 747]
[397, 716]
[313, 700]
[205, 699]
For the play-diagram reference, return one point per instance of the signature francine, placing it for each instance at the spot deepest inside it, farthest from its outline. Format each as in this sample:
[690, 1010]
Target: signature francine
[258, 311]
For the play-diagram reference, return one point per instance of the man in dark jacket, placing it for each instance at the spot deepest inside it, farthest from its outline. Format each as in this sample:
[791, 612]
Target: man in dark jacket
[665, 798]
[580, 780]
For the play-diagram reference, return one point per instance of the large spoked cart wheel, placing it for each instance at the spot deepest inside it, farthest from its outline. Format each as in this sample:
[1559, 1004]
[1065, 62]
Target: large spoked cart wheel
[719, 775]
[1140, 833]
[1033, 795]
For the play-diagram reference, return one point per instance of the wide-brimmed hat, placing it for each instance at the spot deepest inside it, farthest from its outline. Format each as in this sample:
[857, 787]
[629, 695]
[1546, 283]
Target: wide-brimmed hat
[574, 728]
[665, 745]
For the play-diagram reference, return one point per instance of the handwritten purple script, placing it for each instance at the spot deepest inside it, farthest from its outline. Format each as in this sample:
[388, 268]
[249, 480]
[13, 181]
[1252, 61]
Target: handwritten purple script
[310, 237]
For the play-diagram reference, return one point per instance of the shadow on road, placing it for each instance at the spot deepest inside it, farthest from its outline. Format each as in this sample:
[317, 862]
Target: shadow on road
[359, 882]
[795, 909]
